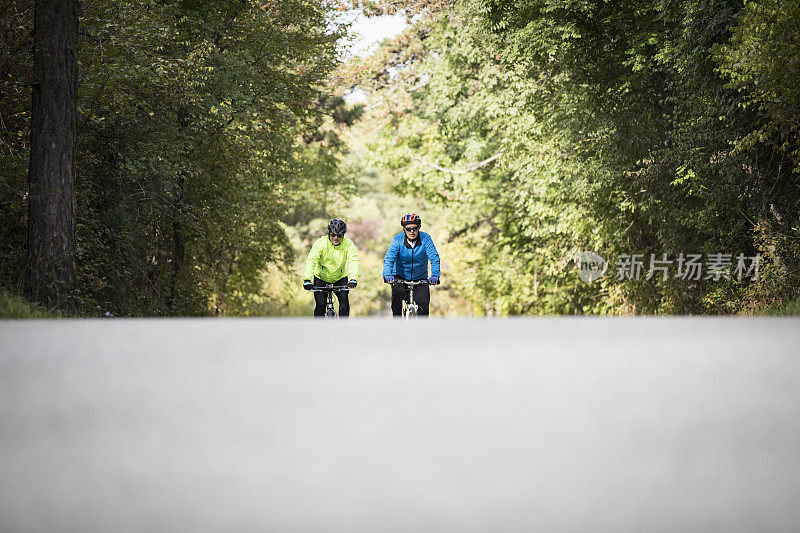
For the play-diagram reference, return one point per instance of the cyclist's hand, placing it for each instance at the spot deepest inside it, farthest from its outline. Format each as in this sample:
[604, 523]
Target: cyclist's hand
[352, 284]
[388, 279]
[307, 285]
[433, 280]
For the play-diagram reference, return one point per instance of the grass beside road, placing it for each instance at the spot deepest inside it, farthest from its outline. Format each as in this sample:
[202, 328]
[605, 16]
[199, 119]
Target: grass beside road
[13, 306]
[786, 308]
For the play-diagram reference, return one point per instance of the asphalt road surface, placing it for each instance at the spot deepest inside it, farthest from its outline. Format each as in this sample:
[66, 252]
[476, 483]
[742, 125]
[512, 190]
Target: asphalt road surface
[549, 424]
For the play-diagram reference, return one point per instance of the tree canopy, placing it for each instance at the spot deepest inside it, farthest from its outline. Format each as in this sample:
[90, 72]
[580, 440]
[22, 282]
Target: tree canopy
[548, 127]
[215, 139]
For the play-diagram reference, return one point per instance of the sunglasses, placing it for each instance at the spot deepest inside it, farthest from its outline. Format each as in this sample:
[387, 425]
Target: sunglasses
[337, 235]
[412, 228]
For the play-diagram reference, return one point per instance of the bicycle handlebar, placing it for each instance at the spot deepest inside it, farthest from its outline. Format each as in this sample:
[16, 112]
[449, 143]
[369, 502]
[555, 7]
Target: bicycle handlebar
[329, 287]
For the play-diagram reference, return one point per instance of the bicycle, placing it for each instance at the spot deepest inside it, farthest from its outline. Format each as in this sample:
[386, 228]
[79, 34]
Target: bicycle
[330, 288]
[410, 308]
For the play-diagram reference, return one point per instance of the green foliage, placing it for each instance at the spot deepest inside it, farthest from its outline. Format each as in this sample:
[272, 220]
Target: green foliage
[191, 116]
[762, 63]
[12, 306]
[547, 127]
[788, 308]
[15, 74]
[214, 145]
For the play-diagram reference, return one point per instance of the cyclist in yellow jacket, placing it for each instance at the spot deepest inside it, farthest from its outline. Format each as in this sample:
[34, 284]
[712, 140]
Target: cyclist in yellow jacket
[330, 260]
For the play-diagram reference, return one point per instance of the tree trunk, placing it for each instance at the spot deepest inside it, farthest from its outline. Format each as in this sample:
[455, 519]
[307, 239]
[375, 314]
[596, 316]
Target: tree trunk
[50, 275]
[178, 233]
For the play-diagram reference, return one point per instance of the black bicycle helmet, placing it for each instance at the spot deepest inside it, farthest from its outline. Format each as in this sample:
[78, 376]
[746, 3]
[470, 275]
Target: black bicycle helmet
[410, 218]
[337, 227]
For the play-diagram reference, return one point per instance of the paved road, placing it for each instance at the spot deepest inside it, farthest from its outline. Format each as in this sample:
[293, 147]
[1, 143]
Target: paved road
[557, 424]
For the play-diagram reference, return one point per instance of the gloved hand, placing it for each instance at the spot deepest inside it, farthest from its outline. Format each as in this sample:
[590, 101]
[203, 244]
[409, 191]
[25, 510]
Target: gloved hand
[433, 280]
[307, 285]
[388, 279]
[352, 284]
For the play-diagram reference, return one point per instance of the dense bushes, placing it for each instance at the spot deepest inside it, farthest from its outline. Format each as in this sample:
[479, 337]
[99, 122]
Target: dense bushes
[190, 116]
[624, 128]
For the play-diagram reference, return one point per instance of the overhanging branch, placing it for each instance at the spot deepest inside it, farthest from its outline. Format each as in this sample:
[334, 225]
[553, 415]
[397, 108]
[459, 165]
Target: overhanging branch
[471, 168]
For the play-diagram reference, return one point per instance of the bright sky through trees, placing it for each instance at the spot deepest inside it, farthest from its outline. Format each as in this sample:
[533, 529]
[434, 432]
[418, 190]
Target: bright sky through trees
[369, 31]
[366, 33]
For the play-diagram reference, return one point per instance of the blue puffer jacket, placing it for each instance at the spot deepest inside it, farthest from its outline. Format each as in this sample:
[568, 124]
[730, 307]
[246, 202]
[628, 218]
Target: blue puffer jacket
[411, 263]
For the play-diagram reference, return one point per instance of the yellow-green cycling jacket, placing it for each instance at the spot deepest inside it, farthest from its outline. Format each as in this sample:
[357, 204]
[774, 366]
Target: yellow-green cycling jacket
[327, 261]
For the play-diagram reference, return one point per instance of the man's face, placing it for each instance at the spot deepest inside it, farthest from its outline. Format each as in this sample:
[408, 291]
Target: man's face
[412, 231]
[335, 239]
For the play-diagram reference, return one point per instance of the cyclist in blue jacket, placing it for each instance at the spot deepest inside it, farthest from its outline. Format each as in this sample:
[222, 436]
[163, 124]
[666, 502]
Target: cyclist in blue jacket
[407, 259]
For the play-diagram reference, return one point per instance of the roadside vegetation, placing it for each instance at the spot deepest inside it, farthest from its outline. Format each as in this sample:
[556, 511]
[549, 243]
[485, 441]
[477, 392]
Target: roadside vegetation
[216, 139]
[13, 306]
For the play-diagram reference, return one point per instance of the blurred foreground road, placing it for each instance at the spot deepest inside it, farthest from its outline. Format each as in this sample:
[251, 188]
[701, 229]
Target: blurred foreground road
[535, 425]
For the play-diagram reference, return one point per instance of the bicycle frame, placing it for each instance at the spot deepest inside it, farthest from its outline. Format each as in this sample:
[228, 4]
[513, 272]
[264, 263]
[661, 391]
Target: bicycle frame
[410, 308]
[330, 288]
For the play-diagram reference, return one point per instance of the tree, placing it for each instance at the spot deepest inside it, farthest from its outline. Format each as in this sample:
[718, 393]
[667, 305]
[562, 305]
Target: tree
[623, 128]
[51, 173]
